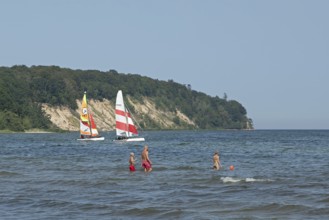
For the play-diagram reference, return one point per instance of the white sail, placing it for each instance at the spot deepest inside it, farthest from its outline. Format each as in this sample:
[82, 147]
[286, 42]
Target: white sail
[84, 129]
[125, 127]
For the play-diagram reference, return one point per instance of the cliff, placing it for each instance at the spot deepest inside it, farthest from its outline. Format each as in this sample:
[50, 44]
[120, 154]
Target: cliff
[67, 119]
[49, 97]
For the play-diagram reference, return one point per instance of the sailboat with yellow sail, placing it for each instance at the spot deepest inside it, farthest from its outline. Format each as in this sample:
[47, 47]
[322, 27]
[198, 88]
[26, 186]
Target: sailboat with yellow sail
[88, 129]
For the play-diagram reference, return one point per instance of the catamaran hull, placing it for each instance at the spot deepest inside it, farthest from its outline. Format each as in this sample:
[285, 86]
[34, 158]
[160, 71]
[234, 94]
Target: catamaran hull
[91, 139]
[130, 140]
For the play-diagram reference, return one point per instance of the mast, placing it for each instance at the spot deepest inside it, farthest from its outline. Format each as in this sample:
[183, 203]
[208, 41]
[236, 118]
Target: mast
[89, 121]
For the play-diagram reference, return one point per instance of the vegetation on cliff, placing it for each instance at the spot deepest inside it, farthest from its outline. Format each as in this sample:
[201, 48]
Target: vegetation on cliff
[24, 89]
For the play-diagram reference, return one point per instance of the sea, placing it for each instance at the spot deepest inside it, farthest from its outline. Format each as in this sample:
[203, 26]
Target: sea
[278, 174]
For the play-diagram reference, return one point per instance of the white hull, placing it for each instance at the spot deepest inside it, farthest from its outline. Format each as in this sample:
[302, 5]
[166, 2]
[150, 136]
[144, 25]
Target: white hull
[130, 139]
[92, 139]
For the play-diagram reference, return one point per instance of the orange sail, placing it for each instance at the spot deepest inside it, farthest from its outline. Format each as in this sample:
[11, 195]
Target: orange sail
[94, 131]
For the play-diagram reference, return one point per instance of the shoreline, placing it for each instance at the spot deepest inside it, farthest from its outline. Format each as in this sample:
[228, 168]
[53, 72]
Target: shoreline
[32, 131]
[38, 132]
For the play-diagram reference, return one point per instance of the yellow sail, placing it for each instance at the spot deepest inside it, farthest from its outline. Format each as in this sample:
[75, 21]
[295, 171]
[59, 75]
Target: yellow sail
[88, 130]
[84, 117]
[84, 109]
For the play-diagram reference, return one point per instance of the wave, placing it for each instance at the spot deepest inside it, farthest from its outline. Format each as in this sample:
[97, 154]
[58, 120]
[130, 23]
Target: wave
[7, 173]
[246, 180]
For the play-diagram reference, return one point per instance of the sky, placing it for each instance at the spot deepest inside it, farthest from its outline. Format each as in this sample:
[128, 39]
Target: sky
[271, 56]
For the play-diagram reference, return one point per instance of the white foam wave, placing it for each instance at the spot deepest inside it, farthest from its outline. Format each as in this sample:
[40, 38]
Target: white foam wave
[230, 180]
[248, 180]
[257, 180]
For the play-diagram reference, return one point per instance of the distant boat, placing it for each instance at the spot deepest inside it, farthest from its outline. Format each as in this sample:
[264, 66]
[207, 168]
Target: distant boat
[88, 129]
[125, 128]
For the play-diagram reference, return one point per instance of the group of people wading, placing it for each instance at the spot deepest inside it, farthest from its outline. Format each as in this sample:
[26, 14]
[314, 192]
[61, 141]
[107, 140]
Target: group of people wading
[146, 162]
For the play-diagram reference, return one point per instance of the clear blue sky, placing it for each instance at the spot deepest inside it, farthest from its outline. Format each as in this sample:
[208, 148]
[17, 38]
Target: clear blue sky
[271, 56]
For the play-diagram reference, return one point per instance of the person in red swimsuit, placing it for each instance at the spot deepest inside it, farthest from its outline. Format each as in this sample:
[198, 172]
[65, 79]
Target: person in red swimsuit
[146, 162]
[132, 162]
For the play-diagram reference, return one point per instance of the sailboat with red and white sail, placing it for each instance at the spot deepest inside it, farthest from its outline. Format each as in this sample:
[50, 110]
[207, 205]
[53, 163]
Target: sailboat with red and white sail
[88, 129]
[125, 127]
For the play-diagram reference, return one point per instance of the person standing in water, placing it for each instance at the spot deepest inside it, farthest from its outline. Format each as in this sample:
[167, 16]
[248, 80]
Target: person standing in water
[216, 161]
[132, 162]
[146, 162]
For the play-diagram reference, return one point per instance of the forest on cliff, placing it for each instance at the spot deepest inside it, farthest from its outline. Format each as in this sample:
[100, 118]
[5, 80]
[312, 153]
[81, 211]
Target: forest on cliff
[23, 89]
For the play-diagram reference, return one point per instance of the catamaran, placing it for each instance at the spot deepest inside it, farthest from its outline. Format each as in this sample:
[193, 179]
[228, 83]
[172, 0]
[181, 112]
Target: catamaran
[125, 128]
[88, 129]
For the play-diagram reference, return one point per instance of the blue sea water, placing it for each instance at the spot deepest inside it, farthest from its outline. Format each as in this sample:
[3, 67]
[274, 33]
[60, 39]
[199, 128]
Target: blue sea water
[279, 174]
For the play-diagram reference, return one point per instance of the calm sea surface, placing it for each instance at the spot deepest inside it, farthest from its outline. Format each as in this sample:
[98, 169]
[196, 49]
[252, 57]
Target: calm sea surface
[279, 174]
